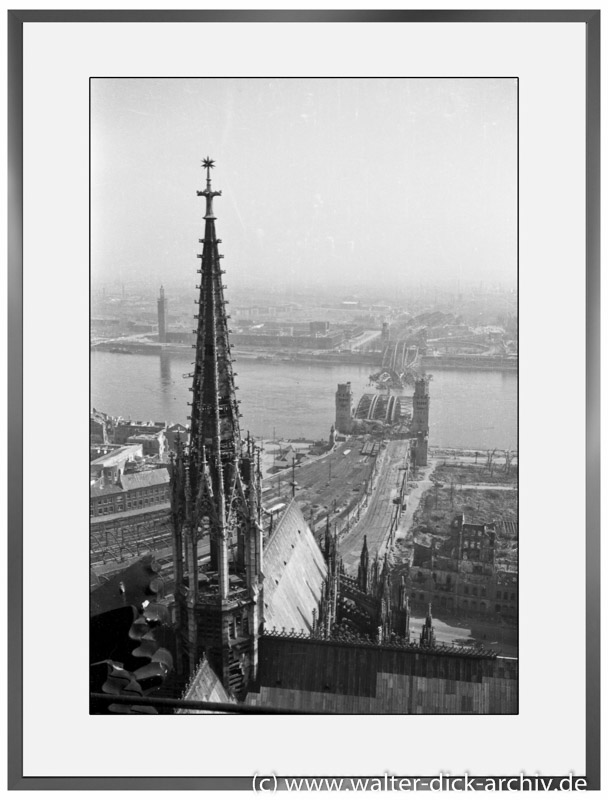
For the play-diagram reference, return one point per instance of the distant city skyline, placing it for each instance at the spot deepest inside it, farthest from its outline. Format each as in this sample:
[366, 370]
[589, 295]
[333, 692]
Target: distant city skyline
[449, 284]
[341, 181]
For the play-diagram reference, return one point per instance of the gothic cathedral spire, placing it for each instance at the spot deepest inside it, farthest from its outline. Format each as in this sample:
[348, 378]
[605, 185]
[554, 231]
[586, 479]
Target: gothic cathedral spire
[216, 494]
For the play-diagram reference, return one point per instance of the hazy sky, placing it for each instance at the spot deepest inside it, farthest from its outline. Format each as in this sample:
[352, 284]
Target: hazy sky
[394, 181]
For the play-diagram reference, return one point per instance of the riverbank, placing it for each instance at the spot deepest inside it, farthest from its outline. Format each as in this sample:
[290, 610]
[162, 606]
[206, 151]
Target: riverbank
[139, 345]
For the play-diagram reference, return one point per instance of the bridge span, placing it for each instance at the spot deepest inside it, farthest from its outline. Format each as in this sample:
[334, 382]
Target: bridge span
[379, 408]
[400, 362]
[399, 356]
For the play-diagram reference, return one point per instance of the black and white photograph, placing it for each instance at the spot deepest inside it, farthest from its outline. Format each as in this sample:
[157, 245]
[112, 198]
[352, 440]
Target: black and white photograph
[317, 294]
[304, 396]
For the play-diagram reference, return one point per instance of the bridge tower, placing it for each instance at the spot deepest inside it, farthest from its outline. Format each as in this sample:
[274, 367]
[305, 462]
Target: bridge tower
[420, 420]
[163, 310]
[344, 406]
[215, 493]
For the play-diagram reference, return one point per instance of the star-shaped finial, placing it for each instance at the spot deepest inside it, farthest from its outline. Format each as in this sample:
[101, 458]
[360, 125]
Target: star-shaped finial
[208, 163]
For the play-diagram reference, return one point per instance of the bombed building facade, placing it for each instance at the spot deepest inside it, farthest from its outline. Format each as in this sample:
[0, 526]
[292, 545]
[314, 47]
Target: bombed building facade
[461, 575]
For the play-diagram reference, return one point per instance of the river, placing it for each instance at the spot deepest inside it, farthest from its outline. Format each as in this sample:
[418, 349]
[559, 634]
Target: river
[286, 399]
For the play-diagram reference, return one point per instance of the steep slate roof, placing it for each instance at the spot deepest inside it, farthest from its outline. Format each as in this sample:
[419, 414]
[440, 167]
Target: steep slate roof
[294, 570]
[206, 686]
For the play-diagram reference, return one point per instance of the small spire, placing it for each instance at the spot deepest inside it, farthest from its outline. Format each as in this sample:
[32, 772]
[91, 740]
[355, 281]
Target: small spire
[327, 544]
[427, 634]
[363, 571]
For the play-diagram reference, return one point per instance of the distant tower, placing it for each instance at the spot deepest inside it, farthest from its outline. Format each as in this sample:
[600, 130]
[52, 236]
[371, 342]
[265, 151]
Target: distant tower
[385, 336]
[163, 308]
[344, 404]
[215, 490]
[420, 421]
[427, 634]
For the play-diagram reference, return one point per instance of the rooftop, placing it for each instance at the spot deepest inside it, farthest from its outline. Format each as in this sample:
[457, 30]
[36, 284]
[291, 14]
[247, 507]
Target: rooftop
[116, 456]
[295, 570]
[103, 491]
[355, 677]
[143, 480]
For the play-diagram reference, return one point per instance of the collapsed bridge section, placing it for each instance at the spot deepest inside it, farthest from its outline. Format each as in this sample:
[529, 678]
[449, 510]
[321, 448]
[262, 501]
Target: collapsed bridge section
[379, 407]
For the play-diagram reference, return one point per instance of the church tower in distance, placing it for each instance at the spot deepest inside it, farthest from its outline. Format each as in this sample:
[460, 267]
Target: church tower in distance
[216, 498]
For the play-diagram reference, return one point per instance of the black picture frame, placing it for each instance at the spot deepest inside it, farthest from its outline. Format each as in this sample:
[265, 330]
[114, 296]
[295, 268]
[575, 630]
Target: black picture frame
[17, 19]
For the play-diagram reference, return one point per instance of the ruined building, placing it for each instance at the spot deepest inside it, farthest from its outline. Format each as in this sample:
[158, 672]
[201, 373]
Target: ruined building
[461, 575]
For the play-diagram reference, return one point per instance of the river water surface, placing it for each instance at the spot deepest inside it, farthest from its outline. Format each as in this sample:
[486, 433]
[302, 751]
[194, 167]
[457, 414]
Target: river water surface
[473, 409]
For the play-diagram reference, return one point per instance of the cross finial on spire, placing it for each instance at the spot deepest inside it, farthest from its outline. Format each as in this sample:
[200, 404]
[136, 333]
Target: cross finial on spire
[209, 194]
[208, 164]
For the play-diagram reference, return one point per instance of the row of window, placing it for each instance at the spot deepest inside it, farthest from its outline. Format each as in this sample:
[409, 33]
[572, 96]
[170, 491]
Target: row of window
[449, 603]
[474, 590]
[155, 491]
[500, 595]
[116, 508]
[108, 501]
[474, 543]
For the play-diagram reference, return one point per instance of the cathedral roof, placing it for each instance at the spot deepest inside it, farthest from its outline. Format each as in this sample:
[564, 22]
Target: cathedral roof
[294, 571]
[359, 677]
[206, 686]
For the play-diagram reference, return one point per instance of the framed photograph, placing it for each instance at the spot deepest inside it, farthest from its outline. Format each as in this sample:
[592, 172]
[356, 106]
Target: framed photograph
[303, 308]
